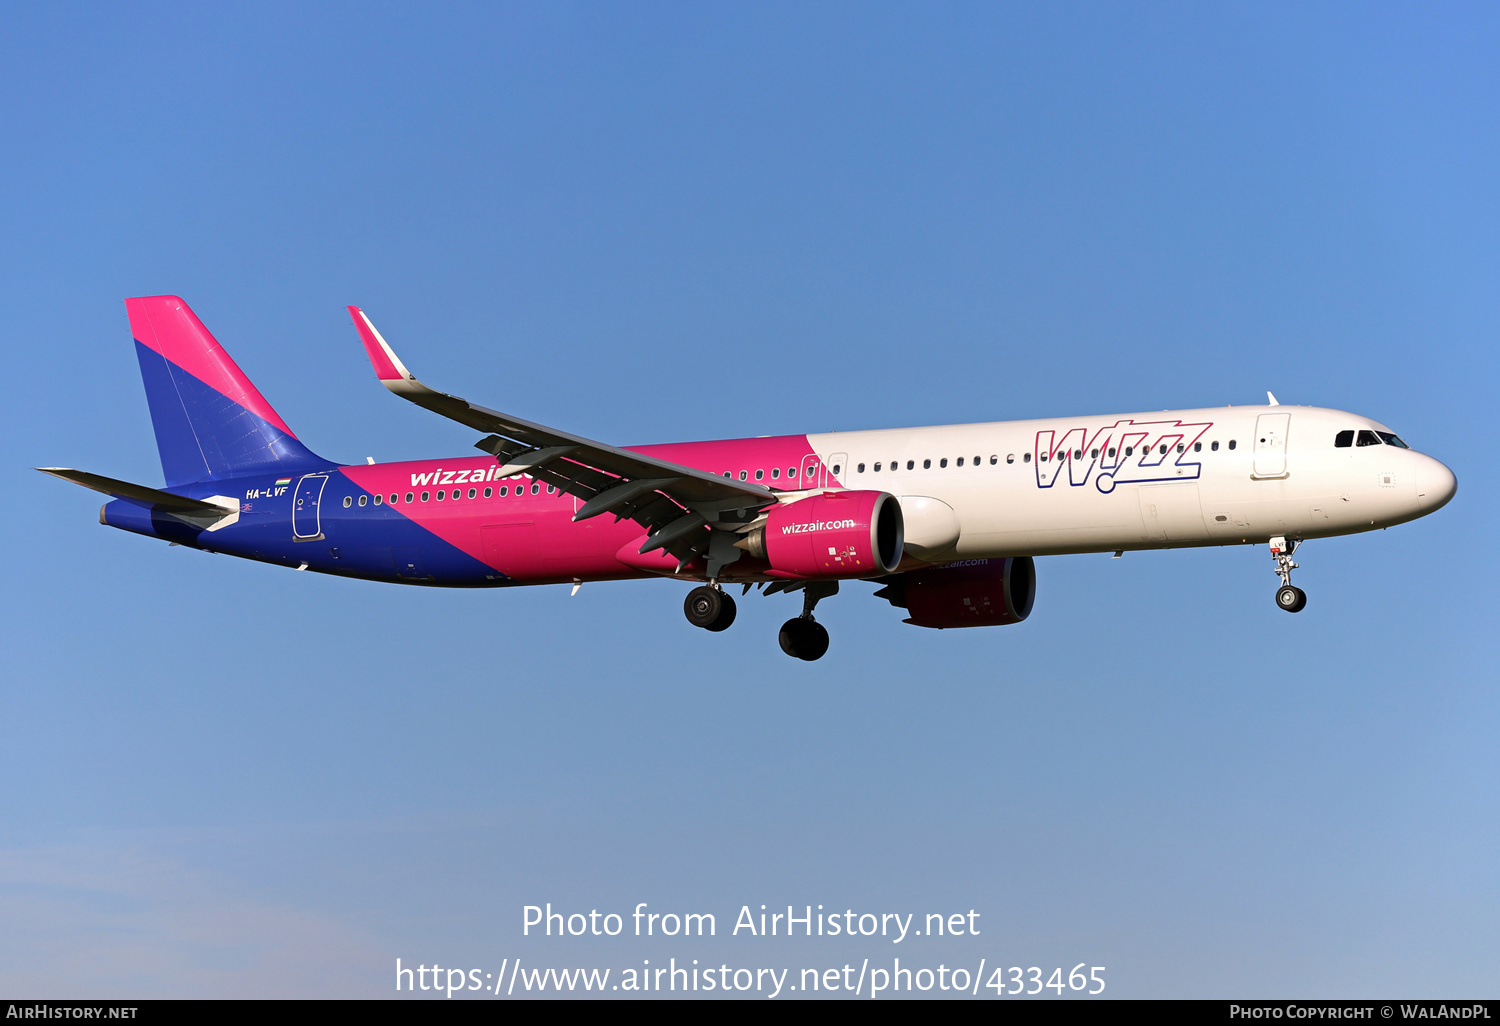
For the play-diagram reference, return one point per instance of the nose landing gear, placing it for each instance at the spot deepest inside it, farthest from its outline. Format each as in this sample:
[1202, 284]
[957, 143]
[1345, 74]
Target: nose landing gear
[708, 607]
[1290, 598]
[802, 637]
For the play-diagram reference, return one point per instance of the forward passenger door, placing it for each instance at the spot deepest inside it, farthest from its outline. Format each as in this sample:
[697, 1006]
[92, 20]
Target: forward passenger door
[1270, 444]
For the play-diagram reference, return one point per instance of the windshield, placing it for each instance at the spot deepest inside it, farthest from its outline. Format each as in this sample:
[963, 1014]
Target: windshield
[1390, 439]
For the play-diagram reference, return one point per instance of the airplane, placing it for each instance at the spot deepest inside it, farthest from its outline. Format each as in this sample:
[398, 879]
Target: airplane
[947, 520]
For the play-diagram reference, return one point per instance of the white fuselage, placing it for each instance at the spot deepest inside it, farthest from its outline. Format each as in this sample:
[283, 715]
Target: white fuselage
[1228, 475]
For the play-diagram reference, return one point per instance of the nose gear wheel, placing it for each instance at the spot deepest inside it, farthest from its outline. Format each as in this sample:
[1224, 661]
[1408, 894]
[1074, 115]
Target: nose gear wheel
[1290, 598]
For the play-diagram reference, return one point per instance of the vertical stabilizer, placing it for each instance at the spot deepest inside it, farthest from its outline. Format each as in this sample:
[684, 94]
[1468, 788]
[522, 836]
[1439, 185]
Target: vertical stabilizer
[210, 421]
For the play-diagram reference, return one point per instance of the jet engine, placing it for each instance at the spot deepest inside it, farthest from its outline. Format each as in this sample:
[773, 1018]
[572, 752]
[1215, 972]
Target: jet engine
[969, 593]
[830, 535]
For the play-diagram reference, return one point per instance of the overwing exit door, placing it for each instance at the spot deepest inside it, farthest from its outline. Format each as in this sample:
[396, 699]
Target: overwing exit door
[1270, 444]
[811, 465]
[837, 466]
[306, 524]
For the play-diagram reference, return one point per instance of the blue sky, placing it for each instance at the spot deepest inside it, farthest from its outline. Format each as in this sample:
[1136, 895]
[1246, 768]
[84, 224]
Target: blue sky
[664, 222]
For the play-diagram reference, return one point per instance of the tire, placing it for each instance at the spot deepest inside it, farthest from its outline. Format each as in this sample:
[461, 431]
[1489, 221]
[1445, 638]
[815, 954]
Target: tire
[703, 607]
[727, 613]
[803, 639]
[1291, 599]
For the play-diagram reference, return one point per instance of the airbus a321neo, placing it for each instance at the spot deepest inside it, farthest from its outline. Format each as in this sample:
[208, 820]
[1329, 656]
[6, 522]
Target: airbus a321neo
[946, 519]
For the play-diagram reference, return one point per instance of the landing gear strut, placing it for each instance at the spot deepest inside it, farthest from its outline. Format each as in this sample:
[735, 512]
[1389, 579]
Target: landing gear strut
[1287, 597]
[708, 607]
[802, 637]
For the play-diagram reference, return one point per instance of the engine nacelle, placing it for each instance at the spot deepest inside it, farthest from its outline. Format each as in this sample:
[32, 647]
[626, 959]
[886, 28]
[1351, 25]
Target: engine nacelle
[969, 593]
[849, 533]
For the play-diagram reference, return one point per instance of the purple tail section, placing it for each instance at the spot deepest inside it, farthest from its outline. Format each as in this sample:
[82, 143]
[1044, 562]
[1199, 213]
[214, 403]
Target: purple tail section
[211, 422]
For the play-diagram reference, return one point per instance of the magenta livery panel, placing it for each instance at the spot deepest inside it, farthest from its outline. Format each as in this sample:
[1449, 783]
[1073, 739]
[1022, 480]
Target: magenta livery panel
[944, 520]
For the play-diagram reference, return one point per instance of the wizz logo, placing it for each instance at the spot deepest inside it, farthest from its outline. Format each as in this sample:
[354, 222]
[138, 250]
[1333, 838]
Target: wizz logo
[1123, 452]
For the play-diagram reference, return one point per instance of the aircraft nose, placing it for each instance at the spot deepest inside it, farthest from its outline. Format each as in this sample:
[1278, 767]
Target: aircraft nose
[1435, 484]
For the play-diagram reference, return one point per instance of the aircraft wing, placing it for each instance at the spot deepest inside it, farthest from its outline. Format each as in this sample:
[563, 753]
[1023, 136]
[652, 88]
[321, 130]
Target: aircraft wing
[675, 503]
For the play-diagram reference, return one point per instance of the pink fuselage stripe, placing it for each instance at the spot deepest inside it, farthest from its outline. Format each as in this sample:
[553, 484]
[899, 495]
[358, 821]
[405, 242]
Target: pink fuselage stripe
[532, 537]
[166, 325]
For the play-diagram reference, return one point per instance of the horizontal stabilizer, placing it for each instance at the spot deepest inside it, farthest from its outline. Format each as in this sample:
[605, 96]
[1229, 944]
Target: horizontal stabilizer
[138, 494]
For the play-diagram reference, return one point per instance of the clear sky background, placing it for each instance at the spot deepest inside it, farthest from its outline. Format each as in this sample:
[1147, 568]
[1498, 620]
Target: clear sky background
[661, 222]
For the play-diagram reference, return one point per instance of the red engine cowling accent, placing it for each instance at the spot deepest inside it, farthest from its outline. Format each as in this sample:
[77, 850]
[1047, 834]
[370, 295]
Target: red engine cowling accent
[971, 593]
[835, 534]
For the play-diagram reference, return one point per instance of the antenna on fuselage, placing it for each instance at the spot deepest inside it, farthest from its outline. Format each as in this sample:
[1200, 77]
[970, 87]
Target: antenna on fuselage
[1272, 399]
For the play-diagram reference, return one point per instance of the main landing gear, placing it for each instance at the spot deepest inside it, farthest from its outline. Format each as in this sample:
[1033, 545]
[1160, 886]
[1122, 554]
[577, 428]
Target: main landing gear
[708, 607]
[1290, 598]
[802, 637]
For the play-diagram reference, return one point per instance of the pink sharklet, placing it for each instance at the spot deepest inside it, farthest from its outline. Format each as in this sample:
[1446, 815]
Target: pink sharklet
[380, 357]
[165, 325]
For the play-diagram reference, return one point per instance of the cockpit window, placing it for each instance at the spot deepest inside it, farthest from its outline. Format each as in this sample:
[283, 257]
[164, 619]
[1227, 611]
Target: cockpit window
[1367, 438]
[1390, 439]
[1343, 439]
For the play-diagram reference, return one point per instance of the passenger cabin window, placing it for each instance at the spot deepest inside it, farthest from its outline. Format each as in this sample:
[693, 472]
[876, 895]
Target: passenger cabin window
[775, 473]
[1214, 446]
[363, 498]
[1026, 458]
[1390, 439]
[1232, 443]
[1010, 457]
[535, 488]
[961, 461]
[1197, 446]
[837, 469]
[877, 468]
[489, 493]
[911, 464]
[1343, 439]
[942, 462]
[348, 501]
[760, 474]
[377, 499]
[1367, 438]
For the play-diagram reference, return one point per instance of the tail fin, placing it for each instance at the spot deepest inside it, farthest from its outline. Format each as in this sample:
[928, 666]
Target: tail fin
[210, 421]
